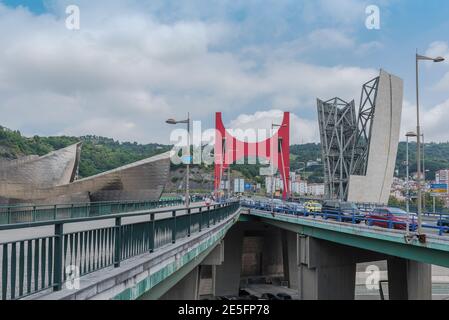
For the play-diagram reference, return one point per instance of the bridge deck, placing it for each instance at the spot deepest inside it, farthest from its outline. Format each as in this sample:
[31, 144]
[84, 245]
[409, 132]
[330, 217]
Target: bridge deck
[38, 261]
[392, 242]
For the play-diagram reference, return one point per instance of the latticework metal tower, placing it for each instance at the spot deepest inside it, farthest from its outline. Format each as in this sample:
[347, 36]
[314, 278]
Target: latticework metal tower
[338, 130]
[345, 139]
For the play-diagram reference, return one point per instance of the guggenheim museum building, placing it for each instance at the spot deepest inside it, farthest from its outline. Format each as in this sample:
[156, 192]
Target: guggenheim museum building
[52, 179]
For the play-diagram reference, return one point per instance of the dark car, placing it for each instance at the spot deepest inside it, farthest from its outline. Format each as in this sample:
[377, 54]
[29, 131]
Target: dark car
[251, 297]
[392, 218]
[444, 222]
[244, 293]
[269, 296]
[296, 209]
[228, 298]
[284, 296]
[342, 211]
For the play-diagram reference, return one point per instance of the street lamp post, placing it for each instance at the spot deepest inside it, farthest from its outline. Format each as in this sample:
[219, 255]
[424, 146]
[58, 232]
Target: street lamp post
[303, 175]
[272, 170]
[187, 121]
[424, 170]
[407, 180]
[418, 133]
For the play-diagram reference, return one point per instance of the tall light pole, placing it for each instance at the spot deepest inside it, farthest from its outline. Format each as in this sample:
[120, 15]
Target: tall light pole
[272, 169]
[187, 121]
[418, 133]
[407, 180]
[302, 176]
[424, 169]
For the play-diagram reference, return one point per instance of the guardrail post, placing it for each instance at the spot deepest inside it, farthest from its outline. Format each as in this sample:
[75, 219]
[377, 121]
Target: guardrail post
[173, 234]
[201, 219]
[9, 215]
[57, 275]
[55, 210]
[33, 214]
[118, 242]
[153, 227]
[189, 230]
[208, 216]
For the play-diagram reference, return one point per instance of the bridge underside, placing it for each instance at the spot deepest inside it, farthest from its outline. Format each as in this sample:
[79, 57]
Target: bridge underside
[321, 264]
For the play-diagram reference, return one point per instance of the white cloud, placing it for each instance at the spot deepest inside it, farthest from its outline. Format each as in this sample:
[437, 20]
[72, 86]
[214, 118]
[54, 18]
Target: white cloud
[342, 12]
[330, 39]
[302, 130]
[132, 69]
[438, 49]
[433, 120]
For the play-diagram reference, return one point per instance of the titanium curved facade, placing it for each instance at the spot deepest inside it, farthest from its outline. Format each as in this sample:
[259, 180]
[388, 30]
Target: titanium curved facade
[51, 179]
[18, 177]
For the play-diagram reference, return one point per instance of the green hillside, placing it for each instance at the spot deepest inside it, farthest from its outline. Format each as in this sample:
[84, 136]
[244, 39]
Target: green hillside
[100, 154]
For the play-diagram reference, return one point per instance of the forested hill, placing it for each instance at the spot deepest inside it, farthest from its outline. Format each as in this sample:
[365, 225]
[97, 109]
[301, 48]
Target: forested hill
[100, 154]
[436, 157]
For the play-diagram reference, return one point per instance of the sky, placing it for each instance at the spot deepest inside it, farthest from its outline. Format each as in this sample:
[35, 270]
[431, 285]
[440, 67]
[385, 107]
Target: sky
[135, 63]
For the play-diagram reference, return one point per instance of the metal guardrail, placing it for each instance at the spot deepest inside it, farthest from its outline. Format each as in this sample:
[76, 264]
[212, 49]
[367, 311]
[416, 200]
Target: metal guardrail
[38, 213]
[354, 217]
[37, 264]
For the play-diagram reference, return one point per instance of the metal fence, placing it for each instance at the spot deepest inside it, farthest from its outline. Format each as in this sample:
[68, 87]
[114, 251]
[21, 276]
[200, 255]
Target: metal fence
[438, 223]
[40, 213]
[33, 265]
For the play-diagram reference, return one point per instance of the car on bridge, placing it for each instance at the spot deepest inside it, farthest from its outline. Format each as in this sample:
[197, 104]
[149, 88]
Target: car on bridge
[342, 211]
[444, 222]
[312, 206]
[391, 218]
[296, 208]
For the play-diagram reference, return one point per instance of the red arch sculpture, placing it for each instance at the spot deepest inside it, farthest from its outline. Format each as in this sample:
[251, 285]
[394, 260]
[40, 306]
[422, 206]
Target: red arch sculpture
[229, 149]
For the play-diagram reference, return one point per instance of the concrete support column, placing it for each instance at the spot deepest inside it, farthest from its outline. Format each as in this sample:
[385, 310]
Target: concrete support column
[216, 257]
[409, 280]
[186, 289]
[272, 254]
[226, 277]
[290, 257]
[327, 271]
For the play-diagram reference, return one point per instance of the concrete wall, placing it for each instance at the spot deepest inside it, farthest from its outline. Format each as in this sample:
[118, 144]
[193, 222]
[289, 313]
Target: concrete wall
[186, 289]
[226, 276]
[262, 251]
[409, 280]
[375, 186]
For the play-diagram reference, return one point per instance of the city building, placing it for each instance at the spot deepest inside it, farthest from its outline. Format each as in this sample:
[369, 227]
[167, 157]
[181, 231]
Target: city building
[442, 176]
[316, 189]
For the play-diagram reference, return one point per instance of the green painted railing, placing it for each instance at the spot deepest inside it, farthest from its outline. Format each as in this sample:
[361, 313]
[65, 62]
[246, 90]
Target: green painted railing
[39, 264]
[39, 213]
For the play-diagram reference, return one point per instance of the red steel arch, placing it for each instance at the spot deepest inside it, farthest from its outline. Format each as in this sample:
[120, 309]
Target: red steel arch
[229, 149]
